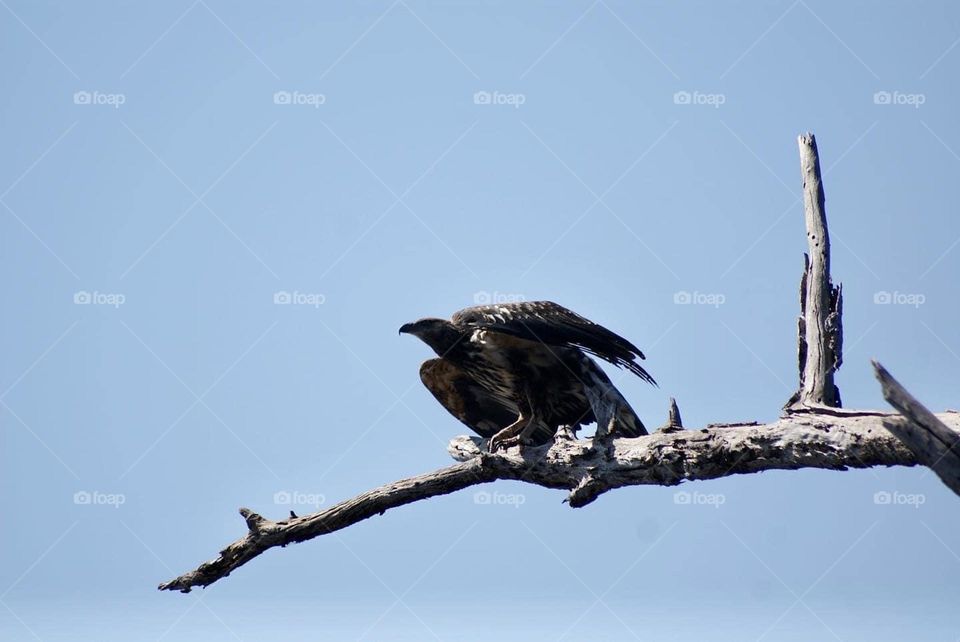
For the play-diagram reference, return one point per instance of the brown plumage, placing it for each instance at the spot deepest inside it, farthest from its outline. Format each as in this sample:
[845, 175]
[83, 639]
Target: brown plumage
[517, 372]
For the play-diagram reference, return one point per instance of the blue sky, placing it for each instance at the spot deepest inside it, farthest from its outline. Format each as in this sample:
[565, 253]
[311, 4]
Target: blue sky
[170, 170]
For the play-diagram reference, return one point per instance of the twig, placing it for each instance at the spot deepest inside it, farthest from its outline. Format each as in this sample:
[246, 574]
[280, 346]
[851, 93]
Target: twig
[674, 422]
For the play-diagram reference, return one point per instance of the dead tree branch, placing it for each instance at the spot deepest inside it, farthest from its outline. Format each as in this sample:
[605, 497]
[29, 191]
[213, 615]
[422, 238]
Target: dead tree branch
[814, 433]
[661, 459]
[932, 442]
[264, 534]
[819, 328]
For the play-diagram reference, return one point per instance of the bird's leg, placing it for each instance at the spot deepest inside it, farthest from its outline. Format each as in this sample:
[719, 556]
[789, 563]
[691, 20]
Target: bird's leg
[526, 435]
[509, 436]
[565, 433]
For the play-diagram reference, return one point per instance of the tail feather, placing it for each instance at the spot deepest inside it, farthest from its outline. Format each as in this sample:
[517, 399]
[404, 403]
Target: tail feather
[628, 423]
[611, 410]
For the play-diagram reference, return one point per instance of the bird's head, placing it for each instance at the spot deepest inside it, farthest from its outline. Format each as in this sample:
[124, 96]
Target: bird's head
[439, 334]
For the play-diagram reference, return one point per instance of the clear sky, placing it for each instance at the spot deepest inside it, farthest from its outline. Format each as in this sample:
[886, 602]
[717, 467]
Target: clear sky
[171, 169]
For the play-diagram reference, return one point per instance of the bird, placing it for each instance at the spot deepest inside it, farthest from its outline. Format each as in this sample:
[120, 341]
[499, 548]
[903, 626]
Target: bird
[515, 373]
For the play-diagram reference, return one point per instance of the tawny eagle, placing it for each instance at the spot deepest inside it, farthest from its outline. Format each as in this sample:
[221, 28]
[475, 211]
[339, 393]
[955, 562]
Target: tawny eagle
[517, 372]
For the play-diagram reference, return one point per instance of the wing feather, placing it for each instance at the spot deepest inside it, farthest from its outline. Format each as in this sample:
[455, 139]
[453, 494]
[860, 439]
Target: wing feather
[552, 324]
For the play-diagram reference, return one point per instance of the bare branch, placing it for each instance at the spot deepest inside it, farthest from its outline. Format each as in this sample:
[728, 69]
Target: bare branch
[265, 534]
[932, 442]
[820, 328]
[807, 440]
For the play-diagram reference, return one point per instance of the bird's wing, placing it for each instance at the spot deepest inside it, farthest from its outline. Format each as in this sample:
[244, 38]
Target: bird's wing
[468, 401]
[553, 324]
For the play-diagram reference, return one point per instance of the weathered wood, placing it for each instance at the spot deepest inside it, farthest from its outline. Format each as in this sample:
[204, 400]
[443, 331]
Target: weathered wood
[932, 442]
[265, 534]
[820, 329]
[674, 422]
[795, 441]
[673, 417]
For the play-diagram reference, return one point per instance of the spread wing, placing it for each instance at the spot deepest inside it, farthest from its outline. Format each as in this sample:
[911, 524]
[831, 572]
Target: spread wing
[466, 400]
[553, 324]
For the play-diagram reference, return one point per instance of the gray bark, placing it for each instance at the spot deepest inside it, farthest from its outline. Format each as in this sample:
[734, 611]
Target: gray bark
[838, 441]
[932, 442]
[674, 422]
[820, 331]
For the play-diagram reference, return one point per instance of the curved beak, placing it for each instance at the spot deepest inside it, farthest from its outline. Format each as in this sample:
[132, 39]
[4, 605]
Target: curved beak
[406, 328]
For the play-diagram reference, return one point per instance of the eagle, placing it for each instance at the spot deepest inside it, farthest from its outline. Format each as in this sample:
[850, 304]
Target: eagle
[516, 373]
